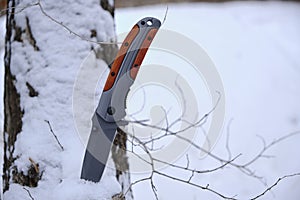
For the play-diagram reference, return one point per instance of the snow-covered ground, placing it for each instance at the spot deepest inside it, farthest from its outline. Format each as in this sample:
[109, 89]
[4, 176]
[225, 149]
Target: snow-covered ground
[256, 48]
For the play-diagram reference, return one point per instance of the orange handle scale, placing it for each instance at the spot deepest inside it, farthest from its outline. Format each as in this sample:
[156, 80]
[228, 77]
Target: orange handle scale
[120, 57]
[142, 52]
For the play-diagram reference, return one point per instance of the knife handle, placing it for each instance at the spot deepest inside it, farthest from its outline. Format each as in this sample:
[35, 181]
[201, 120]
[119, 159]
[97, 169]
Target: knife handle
[116, 65]
[147, 25]
[125, 68]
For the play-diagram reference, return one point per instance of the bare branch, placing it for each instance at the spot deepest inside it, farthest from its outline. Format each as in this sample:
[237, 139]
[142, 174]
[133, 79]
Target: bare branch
[167, 130]
[154, 171]
[227, 139]
[187, 162]
[68, 29]
[21, 8]
[272, 186]
[268, 146]
[39, 4]
[166, 13]
[195, 185]
[187, 168]
[31, 197]
[193, 173]
[51, 130]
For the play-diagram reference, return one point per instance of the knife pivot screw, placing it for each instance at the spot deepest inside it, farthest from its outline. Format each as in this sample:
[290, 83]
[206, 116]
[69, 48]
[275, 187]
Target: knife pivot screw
[111, 110]
[112, 73]
[126, 44]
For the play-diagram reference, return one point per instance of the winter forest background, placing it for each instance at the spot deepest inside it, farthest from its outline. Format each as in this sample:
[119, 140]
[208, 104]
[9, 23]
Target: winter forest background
[255, 46]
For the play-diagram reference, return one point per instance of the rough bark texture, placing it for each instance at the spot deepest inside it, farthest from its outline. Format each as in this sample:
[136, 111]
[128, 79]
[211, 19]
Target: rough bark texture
[119, 153]
[12, 110]
[31, 178]
[2, 6]
[107, 52]
[121, 162]
[106, 6]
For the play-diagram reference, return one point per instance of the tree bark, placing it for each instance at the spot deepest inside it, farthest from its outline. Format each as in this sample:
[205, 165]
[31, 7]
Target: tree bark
[44, 46]
[12, 110]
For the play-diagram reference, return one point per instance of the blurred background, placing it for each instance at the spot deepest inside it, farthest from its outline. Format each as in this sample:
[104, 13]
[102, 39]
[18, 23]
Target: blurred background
[131, 3]
[255, 46]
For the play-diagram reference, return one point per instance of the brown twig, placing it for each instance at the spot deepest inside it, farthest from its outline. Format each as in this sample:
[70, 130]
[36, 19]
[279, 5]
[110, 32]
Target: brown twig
[231, 162]
[39, 4]
[268, 146]
[31, 197]
[274, 184]
[227, 140]
[51, 130]
[35, 165]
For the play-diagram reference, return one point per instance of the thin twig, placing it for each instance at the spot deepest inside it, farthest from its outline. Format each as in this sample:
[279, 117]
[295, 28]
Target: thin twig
[268, 146]
[195, 185]
[35, 165]
[198, 123]
[68, 29]
[227, 139]
[38, 3]
[19, 7]
[242, 168]
[62, 148]
[154, 171]
[187, 161]
[165, 17]
[31, 197]
[187, 168]
[272, 186]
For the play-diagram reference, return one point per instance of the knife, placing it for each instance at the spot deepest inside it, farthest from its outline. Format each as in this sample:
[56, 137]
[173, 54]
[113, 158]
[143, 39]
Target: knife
[111, 107]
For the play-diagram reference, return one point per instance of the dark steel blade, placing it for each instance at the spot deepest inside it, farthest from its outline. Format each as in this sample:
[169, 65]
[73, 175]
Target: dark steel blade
[122, 75]
[98, 148]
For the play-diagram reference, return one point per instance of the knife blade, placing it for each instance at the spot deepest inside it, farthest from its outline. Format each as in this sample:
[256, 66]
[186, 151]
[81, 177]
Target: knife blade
[111, 107]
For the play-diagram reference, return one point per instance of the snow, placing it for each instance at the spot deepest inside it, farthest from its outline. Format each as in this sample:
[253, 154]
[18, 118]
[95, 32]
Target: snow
[255, 47]
[52, 72]
[111, 2]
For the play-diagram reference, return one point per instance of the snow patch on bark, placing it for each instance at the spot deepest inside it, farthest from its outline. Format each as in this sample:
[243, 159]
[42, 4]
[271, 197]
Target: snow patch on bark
[51, 72]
